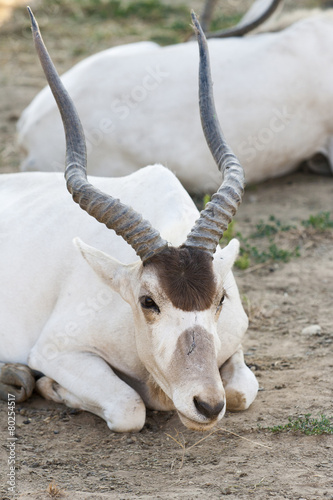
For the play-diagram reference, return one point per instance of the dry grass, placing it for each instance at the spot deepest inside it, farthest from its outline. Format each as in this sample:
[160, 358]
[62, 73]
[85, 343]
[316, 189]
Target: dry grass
[54, 491]
[180, 440]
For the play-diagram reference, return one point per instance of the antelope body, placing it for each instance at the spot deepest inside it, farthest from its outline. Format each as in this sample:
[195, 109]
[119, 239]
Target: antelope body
[86, 330]
[109, 332]
[273, 90]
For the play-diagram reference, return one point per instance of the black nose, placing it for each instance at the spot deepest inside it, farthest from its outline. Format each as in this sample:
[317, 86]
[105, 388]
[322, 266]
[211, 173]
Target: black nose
[206, 409]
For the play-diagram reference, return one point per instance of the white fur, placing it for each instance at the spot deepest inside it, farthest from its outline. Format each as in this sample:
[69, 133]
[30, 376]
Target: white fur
[79, 320]
[138, 104]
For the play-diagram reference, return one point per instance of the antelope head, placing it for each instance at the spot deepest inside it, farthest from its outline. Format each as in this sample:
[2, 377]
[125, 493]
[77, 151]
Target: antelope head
[178, 295]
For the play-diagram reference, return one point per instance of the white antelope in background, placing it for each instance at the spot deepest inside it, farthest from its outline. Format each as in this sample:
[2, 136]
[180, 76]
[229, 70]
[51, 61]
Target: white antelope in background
[274, 90]
[112, 334]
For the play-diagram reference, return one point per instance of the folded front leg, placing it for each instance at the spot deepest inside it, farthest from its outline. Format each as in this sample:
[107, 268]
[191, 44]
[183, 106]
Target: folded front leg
[86, 381]
[240, 383]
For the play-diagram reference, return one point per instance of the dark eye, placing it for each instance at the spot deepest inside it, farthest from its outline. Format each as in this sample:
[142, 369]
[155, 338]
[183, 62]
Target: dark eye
[221, 302]
[148, 303]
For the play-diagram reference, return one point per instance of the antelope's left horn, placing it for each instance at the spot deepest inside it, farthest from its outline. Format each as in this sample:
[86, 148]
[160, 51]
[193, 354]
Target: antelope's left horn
[214, 219]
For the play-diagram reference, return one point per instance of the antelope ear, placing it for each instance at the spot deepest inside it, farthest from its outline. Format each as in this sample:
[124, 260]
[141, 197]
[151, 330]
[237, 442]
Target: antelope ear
[226, 257]
[114, 273]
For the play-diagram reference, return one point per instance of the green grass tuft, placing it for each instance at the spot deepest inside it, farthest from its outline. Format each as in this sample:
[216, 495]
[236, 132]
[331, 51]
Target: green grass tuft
[243, 262]
[263, 229]
[306, 425]
[321, 221]
[267, 250]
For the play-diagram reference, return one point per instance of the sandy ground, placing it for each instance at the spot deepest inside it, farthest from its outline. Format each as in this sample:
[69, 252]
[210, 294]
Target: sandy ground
[62, 453]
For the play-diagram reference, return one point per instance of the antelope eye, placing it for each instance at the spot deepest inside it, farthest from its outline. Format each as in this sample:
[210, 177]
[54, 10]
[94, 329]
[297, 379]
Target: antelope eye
[148, 303]
[221, 301]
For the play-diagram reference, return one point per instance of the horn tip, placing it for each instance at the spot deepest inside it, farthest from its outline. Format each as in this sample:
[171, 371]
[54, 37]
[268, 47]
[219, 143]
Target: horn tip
[197, 27]
[34, 24]
[195, 21]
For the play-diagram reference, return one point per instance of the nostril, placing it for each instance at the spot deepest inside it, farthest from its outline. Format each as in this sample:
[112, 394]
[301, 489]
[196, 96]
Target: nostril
[206, 409]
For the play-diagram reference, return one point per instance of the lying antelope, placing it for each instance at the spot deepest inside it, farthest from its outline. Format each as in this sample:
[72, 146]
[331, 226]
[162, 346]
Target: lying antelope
[110, 333]
[275, 91]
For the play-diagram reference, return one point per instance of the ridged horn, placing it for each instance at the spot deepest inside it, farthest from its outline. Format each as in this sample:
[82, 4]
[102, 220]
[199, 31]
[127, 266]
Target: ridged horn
[126, 222]
[242, 29]
[214, 219]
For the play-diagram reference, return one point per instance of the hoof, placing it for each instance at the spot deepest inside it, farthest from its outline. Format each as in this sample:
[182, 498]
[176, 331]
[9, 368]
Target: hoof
[18, 380]
[48, 389]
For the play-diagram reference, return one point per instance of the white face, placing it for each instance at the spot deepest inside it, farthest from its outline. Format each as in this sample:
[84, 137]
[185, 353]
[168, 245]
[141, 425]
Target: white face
[180, 348]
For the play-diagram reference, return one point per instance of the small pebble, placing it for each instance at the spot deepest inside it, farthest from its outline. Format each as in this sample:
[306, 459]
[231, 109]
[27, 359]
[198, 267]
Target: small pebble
[312, 330]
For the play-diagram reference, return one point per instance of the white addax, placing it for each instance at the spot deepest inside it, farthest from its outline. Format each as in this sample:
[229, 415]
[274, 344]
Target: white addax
[138, 106]
[109, 332]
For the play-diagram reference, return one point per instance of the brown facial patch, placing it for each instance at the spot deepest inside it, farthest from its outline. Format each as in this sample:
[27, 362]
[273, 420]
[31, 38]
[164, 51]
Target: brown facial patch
[186, 275]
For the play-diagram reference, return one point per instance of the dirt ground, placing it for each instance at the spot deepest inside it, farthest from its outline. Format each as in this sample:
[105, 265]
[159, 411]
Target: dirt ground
[64, 453]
